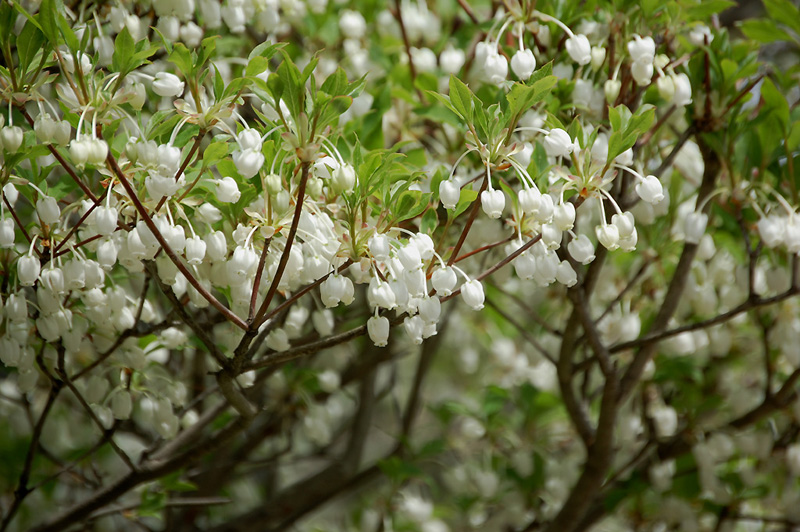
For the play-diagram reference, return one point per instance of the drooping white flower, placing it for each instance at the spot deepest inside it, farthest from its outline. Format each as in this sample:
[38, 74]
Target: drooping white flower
[378, 329]
[579, 49]
[493, 202]
[523, 64]
[472, 293]
[167, 85]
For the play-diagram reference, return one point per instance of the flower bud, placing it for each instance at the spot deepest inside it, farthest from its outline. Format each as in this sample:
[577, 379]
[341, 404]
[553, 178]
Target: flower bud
[98, 150]
[409, 257]
[343, 178]
[546, 209]
[611, 89]
[53, 279]
[107, 253]
[495, 66]
[525, 265]
[11, 194]
[335, 289]
[62, 133]
[424, 244]
[598, 57]
[137, 95]
[74, 274]
[666, 88]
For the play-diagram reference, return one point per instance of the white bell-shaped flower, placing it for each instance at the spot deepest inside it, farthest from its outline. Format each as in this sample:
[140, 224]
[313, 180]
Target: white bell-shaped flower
[444, 280]
[650, 189]
[7, 234]
[579, 49]
[694, 227]
[472, 293]
[564, 216]
[48, 210]
[624, 223]
[414, 327]
[378, 329]
[167, 85]
[28, 268]
[608, 236]
[523, 64]
[380, 294]
[565, 274]
[558, 143]
[493, 202]
[195, 250]
[449, 194]
[105, 220]
[227, 190]
[11, 138]
[642, 49]
[248, 162]
[379, 246]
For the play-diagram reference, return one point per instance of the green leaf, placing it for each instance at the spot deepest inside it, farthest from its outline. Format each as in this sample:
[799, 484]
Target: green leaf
[256, 66]
[181, 57]
[215, 152]
[464, 200]
[461, 98]
[705, 8]
[775, 102]
[30, 41]
[411, 204]
[784, 12]
[763, 31]
[8, 16]
[523, 96]
[124, 48]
